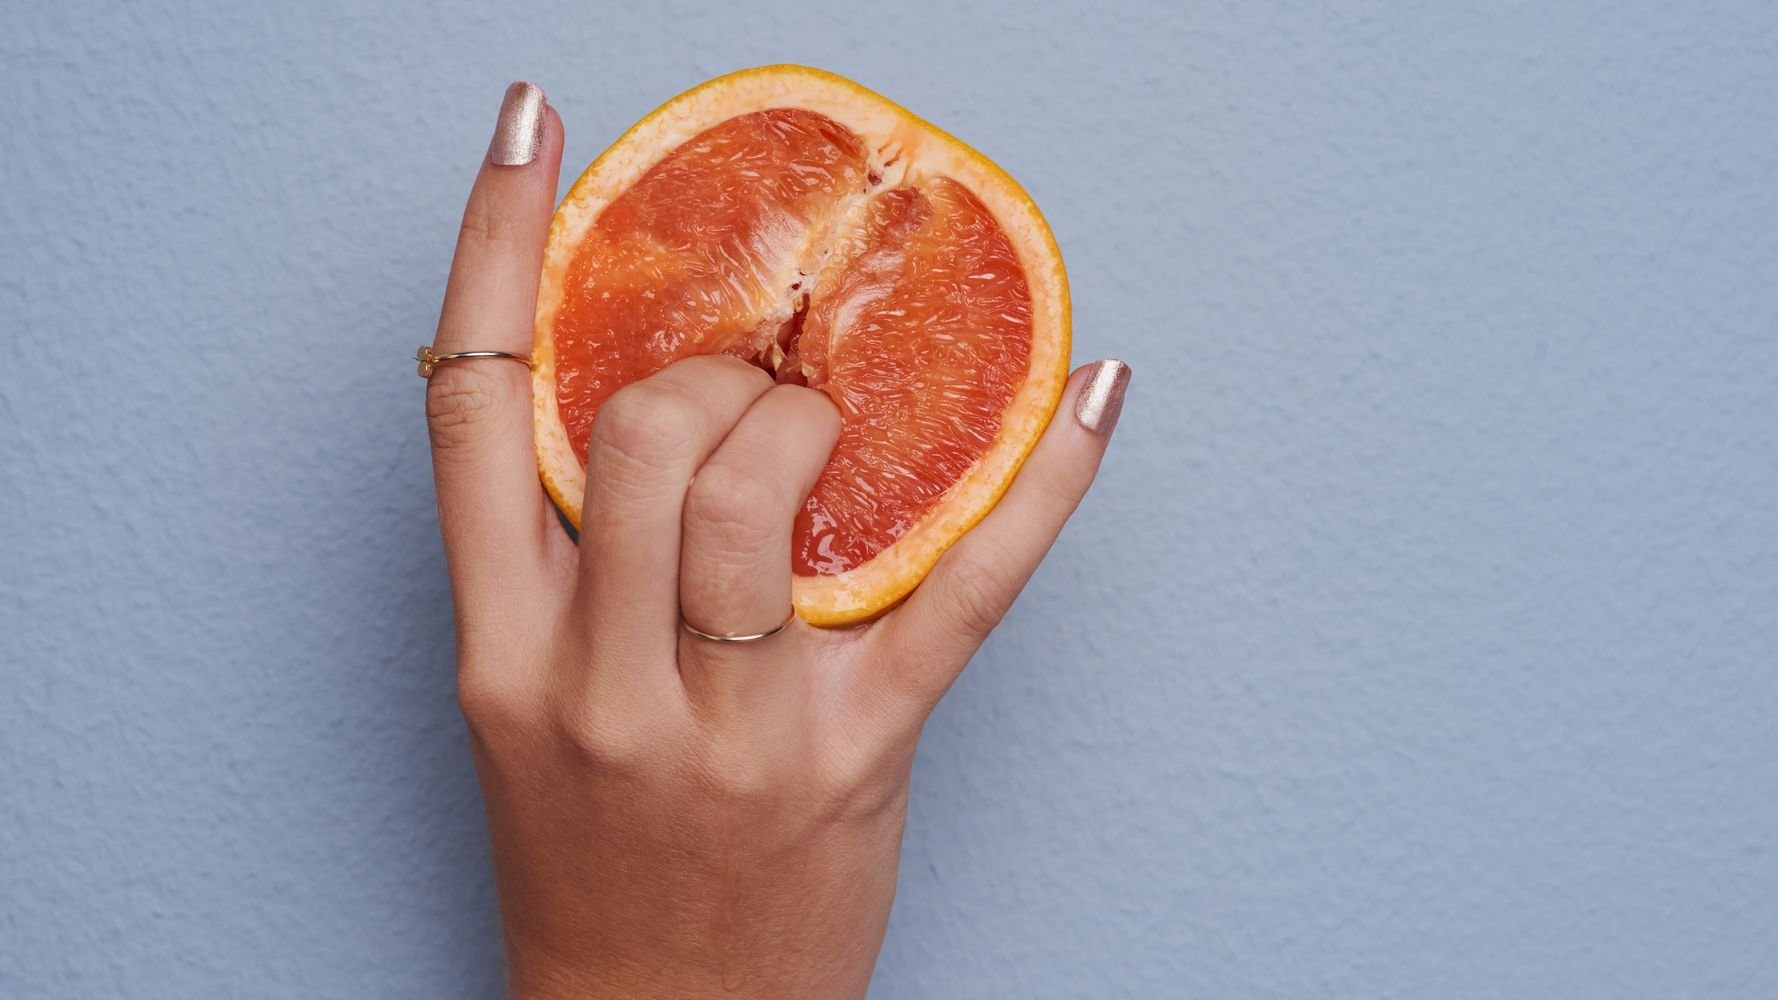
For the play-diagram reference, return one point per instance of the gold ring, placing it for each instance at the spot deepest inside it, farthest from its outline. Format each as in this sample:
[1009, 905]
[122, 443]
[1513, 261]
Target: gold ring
[733, 637]
[430, 361]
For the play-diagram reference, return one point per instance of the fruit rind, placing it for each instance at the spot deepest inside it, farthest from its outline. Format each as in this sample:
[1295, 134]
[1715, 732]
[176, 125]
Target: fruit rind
[918, 148]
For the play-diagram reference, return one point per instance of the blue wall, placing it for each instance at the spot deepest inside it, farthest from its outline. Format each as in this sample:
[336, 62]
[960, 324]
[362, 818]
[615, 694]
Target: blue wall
[1420, 640]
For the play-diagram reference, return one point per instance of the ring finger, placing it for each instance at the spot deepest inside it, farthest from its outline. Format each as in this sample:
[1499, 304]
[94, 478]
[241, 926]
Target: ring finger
[648, 441]
[734, 574]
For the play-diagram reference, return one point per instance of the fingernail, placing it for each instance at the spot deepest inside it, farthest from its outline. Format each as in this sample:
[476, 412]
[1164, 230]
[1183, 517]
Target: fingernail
[1102, 397]
[518, 135]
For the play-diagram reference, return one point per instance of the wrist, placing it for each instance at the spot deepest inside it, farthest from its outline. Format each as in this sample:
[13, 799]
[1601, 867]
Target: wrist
[594, 984]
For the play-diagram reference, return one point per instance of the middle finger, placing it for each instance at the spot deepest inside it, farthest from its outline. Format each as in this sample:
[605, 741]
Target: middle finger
[647, 442]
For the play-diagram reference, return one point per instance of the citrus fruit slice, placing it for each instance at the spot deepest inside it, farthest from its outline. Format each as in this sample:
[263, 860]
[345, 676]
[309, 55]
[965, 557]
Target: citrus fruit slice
[792, 218]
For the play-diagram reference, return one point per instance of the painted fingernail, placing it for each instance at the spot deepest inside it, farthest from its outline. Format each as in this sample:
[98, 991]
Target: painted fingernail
[1102, 397]
[518, 135]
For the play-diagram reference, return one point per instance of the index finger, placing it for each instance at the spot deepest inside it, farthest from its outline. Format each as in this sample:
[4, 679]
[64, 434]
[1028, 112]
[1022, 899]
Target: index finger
[491, 508]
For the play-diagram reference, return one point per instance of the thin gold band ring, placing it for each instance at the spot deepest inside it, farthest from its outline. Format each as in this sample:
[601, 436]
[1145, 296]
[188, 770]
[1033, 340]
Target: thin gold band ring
[733, 637]
[430, 361]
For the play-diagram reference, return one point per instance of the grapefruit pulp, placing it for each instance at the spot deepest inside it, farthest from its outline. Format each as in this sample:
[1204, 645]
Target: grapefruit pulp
[796, 220]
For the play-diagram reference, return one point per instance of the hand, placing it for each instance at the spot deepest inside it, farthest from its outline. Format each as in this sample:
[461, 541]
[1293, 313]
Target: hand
[672, 816]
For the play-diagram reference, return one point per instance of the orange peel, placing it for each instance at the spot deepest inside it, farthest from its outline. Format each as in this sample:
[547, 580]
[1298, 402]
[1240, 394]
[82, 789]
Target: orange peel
[848, 221]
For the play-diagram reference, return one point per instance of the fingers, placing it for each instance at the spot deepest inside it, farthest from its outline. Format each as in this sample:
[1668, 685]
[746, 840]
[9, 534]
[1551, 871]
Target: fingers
[734, 575]
[933, 634]
[491, 509]
[647, 442]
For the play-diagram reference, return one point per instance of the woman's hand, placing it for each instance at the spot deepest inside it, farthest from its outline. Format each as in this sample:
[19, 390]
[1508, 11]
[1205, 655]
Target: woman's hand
[673, 816]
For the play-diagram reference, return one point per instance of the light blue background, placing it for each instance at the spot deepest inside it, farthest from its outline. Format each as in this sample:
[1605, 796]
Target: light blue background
[1420, 638]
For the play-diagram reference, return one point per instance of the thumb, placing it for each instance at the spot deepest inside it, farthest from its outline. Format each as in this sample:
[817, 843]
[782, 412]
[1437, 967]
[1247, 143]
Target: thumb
[935, 632]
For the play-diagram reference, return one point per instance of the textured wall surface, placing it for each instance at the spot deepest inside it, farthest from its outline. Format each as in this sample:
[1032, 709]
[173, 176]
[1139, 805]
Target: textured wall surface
[1420, 639]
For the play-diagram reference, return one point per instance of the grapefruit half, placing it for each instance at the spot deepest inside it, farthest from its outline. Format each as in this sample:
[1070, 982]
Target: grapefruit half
[792, 218]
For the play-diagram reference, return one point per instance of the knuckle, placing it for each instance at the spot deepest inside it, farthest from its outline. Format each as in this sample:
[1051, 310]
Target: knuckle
[724, 366]
[486, 225]
[813, 405]
[976, 593]
[462, 398]
[1062, 496]
[491, 702]
[732, 507]
[855, 786]
[598, 737]
[645, 427]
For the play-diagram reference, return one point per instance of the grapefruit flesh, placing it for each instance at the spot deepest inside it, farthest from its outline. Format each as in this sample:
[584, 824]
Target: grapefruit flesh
[797, 221]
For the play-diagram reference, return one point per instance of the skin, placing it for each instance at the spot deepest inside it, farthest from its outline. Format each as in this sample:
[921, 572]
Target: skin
[672, 816]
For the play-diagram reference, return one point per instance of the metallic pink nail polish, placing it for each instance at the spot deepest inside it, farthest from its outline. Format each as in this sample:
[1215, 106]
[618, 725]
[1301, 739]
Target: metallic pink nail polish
[518, 135]
[1101, 397]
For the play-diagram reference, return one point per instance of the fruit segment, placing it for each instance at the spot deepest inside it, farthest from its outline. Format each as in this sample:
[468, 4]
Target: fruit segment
[921, 333]
[694, 256]
[773, 236]
[796, 220]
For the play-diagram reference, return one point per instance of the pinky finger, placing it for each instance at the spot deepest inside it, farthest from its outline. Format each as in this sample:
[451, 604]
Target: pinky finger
[932, 636]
